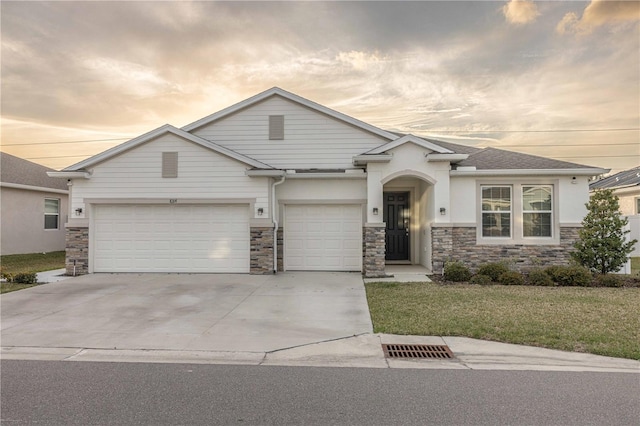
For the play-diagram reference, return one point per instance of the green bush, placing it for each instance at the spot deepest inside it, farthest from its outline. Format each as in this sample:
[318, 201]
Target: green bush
[493, 270]
[570, 275]
[608, 280]
[539, 277]
[456, 272]
[511, 278]
[481, 279]
[25, 278]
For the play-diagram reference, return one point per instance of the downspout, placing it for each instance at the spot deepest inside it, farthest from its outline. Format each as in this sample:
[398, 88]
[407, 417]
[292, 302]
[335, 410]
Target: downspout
[275, 221]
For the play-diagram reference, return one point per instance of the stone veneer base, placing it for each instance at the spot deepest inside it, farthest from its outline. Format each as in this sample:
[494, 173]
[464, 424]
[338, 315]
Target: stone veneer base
[77, 250]
[459, 244]
[373, 251]
[261, 251]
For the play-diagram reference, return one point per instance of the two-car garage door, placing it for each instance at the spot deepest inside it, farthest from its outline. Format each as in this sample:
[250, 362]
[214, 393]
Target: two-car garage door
[171, 238]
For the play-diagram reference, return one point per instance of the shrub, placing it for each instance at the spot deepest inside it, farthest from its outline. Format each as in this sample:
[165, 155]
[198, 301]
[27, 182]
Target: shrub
[25, 278]
[539, 277]
[493, 270]
[570, 275]
[609, 280]
[603, 245]
[481, 279]
[511, 278]
[456, 272]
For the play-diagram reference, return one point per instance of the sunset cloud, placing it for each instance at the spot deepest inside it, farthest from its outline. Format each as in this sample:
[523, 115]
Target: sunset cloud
[88, 70]
[599, 13]
[520, 12]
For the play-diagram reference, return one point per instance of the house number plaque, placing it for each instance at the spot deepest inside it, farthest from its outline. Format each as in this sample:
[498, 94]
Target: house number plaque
[173, 200]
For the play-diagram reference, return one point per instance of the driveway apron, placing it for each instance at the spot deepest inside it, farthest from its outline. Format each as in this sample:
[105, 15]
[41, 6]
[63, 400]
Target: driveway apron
[208, 312]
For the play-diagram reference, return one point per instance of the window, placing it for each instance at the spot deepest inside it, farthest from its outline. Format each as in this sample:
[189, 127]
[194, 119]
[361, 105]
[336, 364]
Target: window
[276, 127]
[169, 164]
[51, 213]
[496, 211]
[537, 211]
[637, 205]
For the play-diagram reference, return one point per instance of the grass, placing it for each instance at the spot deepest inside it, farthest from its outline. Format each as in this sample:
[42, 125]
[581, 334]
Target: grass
[635, 266]
[602, 321]
[32, 262]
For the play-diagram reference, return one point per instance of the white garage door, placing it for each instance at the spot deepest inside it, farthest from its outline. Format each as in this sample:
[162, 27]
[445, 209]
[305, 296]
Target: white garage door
[171, 238]
[323, 237]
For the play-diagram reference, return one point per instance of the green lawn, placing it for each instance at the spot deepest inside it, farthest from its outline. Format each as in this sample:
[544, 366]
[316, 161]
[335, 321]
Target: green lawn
[33, 262]
[635, 266]
[603, 321]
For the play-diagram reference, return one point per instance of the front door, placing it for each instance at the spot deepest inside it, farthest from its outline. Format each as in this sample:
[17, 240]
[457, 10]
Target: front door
[396, 216]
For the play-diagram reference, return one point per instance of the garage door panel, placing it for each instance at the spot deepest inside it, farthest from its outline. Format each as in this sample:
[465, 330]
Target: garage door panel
[323, 237]
[166, 238]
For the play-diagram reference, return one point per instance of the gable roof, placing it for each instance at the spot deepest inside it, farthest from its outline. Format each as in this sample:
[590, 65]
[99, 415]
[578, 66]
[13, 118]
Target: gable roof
[276, 91]
[16, 170]
[623, 179]
[167, 128]
[425, 143]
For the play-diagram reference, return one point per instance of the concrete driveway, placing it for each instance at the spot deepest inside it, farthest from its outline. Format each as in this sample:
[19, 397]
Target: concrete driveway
[187, 312]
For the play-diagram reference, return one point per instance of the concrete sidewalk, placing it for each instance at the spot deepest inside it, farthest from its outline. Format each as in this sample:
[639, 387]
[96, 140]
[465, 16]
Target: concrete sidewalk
[364, 351]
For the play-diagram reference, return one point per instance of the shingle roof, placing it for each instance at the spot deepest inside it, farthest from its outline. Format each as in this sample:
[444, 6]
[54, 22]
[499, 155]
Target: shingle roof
[20, 171]
[625, 178]
[499, 159]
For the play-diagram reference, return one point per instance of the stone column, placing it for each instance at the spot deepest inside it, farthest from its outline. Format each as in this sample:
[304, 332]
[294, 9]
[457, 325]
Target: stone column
[374, 250]
[77, 251]
[261, 252]
[441, 247]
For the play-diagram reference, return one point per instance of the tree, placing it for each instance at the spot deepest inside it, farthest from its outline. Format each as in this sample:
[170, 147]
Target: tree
[602, 246]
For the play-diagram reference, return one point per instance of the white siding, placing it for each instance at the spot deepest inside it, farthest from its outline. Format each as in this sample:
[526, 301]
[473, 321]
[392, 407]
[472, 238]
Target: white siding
[202, 174]
[311, 139]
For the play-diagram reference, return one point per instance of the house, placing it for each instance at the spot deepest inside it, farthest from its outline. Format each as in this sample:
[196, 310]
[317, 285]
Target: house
[280, 183]
[33, 208]
[626, 185]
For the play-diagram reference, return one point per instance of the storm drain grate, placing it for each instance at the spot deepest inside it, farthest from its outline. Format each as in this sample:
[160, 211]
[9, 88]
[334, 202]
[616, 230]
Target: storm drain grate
[417, 351]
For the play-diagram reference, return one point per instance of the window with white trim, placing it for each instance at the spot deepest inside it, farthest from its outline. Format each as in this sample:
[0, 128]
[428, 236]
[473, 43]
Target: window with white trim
[51, 213]
[496, 211]
[537, 211]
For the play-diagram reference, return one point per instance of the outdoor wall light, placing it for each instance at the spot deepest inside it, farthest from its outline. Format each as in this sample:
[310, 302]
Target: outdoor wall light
[78, 211]
[260, 211]
[375, 211]
[443, 211]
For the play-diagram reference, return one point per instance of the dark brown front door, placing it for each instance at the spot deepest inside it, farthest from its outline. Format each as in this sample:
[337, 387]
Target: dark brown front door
[396, 216]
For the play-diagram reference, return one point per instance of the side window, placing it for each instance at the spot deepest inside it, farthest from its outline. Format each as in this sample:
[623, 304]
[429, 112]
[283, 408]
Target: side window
[496, 211]
[51, 213]
[637, 205]
[537, 211]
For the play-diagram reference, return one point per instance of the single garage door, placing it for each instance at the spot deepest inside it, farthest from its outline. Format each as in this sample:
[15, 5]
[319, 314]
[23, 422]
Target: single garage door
[171, 238]
[323, 237]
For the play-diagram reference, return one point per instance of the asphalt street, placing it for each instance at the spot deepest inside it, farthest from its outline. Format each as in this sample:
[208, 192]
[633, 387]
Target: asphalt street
[90, 393]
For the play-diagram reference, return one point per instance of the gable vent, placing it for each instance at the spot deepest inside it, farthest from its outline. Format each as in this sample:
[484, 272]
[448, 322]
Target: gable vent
[169, 164]
[276, 127]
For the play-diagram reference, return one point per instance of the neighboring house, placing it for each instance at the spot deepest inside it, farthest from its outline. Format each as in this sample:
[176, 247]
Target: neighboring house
[626, 185]
[339, 194]
[33, 207]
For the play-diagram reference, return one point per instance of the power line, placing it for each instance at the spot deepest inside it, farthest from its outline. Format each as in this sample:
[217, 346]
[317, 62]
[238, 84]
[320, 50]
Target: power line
[534, 131]
[55, 143]
[430, 130]
[579, 144]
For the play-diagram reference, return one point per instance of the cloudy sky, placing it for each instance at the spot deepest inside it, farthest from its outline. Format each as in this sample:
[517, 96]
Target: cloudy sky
[559, 79]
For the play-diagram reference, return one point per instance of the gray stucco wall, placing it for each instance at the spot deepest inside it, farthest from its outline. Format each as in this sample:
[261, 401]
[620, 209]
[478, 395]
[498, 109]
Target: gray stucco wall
[22, 218]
